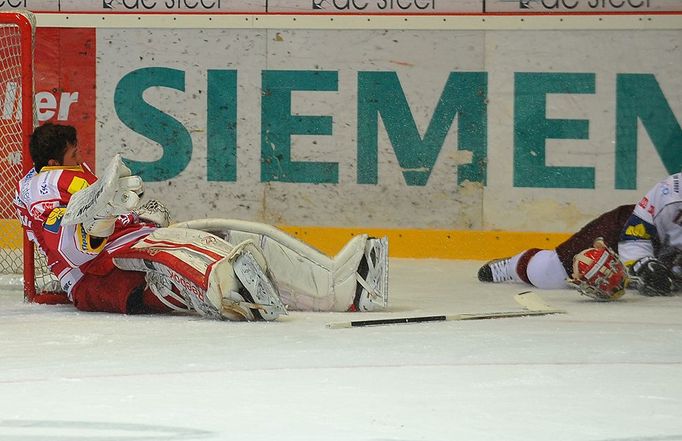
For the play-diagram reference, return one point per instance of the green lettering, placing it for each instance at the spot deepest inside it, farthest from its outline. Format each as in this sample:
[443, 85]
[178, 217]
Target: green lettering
[153, 123]
[464, 95]
[221, 125]
[278, 124]
[639, 98]
[532, 128]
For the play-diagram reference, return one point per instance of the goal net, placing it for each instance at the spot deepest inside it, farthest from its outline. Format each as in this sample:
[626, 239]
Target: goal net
[17, 257]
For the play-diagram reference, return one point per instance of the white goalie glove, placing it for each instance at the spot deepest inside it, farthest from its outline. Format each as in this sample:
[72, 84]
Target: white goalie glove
[115, 193]
[155, 212]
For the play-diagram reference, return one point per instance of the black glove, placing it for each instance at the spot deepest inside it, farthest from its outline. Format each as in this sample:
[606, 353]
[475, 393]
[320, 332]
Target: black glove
[672, 258]
[651, 277]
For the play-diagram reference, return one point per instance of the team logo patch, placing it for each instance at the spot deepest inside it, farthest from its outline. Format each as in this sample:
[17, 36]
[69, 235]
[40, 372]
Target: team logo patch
[54, 220]
[77, 184]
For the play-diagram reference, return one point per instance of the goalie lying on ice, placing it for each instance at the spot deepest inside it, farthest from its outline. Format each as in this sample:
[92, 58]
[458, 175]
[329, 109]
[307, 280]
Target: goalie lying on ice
[113, 255]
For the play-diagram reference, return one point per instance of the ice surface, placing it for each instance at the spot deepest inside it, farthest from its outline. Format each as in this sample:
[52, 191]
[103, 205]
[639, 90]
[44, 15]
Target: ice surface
[601, 372]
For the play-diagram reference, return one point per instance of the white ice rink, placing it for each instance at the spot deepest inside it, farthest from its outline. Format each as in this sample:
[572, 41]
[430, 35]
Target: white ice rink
[601, 372]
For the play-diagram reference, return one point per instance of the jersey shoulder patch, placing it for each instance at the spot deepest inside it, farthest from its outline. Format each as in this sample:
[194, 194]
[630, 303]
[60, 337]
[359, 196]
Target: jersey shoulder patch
[77, 184]
[637, 232]
[54, 220]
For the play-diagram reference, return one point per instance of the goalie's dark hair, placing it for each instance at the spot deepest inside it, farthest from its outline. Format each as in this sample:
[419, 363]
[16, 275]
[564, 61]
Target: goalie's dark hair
[50, 141]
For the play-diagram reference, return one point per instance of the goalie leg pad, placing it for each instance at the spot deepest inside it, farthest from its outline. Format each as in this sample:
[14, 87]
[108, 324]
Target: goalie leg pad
[307, 279]
[165, 291]
[247, 293]
[167, 284]
[372, 291]
[200, 268]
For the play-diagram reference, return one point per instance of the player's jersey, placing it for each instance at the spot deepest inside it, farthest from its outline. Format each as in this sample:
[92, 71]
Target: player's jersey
[656, 222]
[41, 201]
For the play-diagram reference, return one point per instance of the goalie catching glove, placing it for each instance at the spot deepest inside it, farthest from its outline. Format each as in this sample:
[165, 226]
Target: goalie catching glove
[598, 273]
[651, 277]
[117, 192]
[155, 212]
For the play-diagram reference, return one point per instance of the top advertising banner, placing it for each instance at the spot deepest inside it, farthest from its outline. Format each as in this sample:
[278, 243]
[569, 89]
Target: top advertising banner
[587, 6]
[164, 6]
[376, 6]
[324, 7]
[31, 5]
[142, 6]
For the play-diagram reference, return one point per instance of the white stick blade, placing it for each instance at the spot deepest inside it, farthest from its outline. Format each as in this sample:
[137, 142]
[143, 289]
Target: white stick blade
[532, 302]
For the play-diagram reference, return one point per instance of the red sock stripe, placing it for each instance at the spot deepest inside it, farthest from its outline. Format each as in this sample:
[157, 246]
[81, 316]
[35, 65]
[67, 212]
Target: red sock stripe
[522, 265]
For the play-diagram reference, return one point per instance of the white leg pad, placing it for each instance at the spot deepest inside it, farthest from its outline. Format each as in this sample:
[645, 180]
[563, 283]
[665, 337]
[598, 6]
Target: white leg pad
[308, 280]
[200, 266]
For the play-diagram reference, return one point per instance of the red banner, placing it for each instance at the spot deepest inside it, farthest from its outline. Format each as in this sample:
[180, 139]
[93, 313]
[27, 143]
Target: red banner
[65, 82]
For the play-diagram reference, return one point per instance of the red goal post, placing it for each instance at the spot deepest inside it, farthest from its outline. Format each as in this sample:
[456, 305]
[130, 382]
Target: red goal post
[17, 119]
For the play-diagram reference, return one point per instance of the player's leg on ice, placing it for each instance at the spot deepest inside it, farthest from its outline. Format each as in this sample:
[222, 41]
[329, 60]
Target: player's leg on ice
[549, 269]
[540, 268]
[498, 271]
[201, 272]
[355, 279]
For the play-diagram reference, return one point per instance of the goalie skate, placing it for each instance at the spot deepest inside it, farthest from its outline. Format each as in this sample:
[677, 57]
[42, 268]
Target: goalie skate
[257, 298]
[372, 293]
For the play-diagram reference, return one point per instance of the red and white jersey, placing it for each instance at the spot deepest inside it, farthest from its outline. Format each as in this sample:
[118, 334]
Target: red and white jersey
[41, 201]
[656, 220]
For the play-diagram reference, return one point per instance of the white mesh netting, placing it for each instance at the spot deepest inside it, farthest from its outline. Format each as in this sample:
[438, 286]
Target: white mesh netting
[16, 43]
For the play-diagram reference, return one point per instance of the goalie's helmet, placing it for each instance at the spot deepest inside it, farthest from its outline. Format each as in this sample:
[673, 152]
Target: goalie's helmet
[598, 273]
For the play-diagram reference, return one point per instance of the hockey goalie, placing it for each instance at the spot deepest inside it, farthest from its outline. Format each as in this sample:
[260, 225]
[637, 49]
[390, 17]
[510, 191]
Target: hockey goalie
[112, 254]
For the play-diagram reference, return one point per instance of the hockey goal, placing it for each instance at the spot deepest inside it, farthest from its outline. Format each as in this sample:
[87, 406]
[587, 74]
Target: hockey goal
[17, 257]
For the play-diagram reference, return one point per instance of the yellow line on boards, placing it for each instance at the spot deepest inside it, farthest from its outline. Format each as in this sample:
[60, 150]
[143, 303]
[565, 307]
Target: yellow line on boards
[436, 244]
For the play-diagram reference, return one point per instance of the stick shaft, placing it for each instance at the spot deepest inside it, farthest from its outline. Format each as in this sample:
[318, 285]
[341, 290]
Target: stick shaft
[440, 318]
[528, 299]
[391, 321]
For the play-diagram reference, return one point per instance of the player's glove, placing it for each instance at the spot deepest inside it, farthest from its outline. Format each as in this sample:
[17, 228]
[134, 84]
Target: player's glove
[651, 277]
[672, 258]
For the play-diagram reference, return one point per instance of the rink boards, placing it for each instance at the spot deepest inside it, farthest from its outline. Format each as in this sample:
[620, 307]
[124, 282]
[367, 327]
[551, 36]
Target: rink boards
[423, 130]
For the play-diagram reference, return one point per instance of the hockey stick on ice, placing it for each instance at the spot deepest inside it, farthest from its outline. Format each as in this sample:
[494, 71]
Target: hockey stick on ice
[532, 303]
